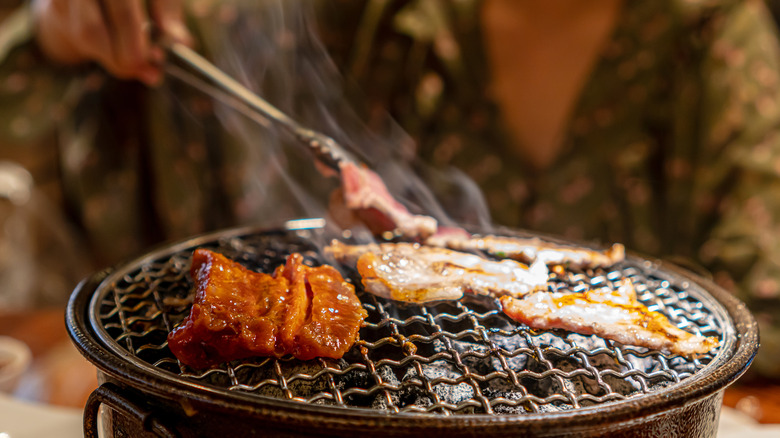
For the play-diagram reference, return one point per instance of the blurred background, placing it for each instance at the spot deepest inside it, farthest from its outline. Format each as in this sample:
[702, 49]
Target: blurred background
[95, 169]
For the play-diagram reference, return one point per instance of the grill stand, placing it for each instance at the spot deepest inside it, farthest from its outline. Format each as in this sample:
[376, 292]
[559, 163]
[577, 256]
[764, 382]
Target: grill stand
[129, 416]
[137, 396]
[137, 417]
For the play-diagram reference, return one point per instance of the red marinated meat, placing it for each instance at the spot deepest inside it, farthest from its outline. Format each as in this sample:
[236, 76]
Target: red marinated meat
[237, 313]
[327, 313]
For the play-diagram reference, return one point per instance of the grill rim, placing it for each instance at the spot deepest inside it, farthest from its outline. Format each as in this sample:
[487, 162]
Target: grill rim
[736, 355]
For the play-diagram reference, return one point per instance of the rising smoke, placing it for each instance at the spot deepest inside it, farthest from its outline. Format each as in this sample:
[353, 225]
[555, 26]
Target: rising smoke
[274, 50]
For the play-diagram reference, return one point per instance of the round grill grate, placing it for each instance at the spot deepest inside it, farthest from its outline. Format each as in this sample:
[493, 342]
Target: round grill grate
[450, 358]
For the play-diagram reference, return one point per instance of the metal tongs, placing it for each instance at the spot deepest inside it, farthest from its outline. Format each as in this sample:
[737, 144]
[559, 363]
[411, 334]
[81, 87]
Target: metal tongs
[229, 91]
[363, 189]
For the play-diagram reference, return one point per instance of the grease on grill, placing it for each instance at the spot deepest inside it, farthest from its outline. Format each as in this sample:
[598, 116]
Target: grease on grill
[448, 358]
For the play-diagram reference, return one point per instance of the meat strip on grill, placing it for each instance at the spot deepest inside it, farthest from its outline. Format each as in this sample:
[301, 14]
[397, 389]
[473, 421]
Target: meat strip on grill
[238, 313]
[414, 273]
[528, 250]
[366, 193]
[608, 313]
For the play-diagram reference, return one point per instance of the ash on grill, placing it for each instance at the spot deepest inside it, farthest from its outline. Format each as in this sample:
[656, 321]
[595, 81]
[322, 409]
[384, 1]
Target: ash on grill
[453, 357]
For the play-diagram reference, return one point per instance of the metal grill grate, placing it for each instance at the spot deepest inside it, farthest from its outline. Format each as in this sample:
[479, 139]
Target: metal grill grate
[449, 358]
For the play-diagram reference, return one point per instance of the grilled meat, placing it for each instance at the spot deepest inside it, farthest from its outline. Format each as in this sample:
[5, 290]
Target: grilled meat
[528, 250]
[237, 313]
[323, 314]
[365, 193]
[414, 273]
[611, 314]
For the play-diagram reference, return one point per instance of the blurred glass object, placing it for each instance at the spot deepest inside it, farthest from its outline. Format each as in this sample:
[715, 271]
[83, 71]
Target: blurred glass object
[15, 358]
[41, 256]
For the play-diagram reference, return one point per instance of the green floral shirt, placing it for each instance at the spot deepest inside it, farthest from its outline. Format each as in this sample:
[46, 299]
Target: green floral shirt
[673, 147]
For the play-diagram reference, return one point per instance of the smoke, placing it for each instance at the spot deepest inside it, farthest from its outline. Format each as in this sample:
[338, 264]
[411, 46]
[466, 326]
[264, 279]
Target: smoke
[273, 48]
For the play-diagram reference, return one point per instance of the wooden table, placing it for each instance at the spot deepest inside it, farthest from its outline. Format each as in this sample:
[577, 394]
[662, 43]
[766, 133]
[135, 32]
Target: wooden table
[61, 376]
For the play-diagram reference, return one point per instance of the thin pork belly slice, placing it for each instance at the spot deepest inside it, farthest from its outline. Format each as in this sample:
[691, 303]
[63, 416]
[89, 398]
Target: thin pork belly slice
[366, 193]
[610, 314]
[528, 250]
[414, 273]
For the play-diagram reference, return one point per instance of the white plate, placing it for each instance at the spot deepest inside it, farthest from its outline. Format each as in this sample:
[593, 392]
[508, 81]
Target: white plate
[21, 419]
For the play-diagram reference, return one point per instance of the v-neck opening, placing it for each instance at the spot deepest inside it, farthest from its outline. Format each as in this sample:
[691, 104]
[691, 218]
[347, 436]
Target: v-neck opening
[565, 147]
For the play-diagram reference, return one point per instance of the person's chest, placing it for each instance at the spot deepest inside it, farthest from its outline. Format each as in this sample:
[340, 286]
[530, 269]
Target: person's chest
[607, 178]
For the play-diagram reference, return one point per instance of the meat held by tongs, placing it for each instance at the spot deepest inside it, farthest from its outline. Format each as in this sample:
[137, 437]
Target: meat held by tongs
[365, 192]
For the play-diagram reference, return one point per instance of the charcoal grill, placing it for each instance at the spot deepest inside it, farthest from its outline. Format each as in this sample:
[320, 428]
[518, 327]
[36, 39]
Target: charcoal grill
[461, 368]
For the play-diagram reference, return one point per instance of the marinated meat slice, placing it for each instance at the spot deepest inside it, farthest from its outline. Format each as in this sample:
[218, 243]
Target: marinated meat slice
[528, 250]
[238, 313]
[608, 313]
[298, 301]
[414, 273]
[328, 315]
[365, 193]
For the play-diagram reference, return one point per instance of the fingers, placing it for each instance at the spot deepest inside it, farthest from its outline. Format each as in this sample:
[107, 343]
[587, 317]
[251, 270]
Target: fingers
[169, 17]
[70, 31]
[89, 31]
[115, 33]
[132, 52]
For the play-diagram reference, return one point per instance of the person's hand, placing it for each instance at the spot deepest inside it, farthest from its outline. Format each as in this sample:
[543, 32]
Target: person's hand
[115, 33]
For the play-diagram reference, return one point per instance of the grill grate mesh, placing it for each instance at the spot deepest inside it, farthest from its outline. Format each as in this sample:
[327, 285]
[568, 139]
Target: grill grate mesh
[449, 358]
